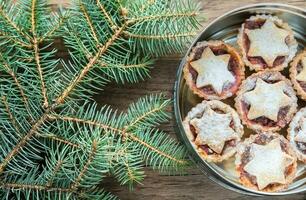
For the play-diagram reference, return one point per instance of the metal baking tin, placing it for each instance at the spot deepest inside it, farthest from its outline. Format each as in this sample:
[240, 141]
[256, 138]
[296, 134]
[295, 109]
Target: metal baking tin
[226, 28]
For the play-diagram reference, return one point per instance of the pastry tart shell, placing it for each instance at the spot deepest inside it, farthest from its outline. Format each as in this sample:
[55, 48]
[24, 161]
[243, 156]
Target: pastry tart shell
[197, 111]
[238, 72]
[292, 133]
[248, 85]
[293, 73]
[290, 41]
[245, 178]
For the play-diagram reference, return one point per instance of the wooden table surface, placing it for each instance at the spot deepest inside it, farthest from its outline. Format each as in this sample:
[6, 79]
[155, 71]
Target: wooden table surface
[195, 185]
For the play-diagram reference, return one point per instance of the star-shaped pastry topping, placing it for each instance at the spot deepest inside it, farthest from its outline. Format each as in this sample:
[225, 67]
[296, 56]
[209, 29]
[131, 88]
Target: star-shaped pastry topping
[214, 129]
[212, 70]
[268, 42]
[268, 163]
[266, 99]
[301, 134]
[302, 75]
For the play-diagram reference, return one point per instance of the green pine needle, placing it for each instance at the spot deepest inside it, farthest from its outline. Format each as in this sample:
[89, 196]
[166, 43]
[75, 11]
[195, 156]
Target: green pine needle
[55, 142]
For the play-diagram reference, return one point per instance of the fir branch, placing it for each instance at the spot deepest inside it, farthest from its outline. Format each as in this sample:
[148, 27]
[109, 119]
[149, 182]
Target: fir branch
[155, 149]
[130, 70]
[86, 68]
[54, 173]
[161, 22]
[21, 143]
[159, 37]
[36, 54]
[33, 187]
[147, 112]
[13, 25]
[121, 132]
[93, 31]
[40, 73]
[57, 192]
[33, 20]
[12, 118]
[91, 156]
[129, 171]
[96, 193]
[66, 149]
[15, 40]
[57, 27]
[172, 16]
[127, 165]
[9, 70]
[106, 14]
[59, 139]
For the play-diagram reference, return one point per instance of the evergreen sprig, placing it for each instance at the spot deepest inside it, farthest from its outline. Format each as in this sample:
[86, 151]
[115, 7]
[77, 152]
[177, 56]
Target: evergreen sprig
[55, 143]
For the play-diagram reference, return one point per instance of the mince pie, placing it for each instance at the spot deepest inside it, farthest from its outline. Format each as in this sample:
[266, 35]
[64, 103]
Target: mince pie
[214, 70]
[266, 162]
[297, 134]
[214, 130]
[266, 42]
[298, 74]
[266, 101]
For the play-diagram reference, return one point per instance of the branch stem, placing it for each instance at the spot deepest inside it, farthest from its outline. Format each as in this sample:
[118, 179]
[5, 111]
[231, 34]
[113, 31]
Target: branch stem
[87, 68]
[9, 21]
[89, 21]
[36, 55]
[55, 170]
[33, 187]
[163, 16]
[14, 77]
[11, 116]
[91, 156]
[58, 139]
[21, 143]
[123, 133]
[107, 16]
[40, 74]
[158, 37]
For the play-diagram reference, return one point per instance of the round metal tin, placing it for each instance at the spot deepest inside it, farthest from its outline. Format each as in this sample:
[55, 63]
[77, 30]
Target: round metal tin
[226, 28]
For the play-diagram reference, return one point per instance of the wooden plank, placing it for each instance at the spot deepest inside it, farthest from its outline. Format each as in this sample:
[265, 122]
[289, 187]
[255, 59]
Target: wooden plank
[195, 185]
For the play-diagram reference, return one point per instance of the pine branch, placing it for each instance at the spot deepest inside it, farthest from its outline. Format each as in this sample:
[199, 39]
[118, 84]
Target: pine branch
[101, 46]
[93, 31]
[88, 67]
[36, 54]
[127, 168]
[60, 22]
[91, 156]
[10, 22]
[56, 168]
[53, 146]
[9, 70]
[121, 133]
[59, 139]
[11, 117]
[21, 143]
[106, 14]
[132, 69]
[147, 112]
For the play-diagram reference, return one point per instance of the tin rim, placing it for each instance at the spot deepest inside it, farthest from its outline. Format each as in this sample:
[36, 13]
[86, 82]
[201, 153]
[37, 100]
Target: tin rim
[204, 166]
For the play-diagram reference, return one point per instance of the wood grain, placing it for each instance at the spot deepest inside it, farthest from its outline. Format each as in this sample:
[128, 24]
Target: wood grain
[195, 185]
